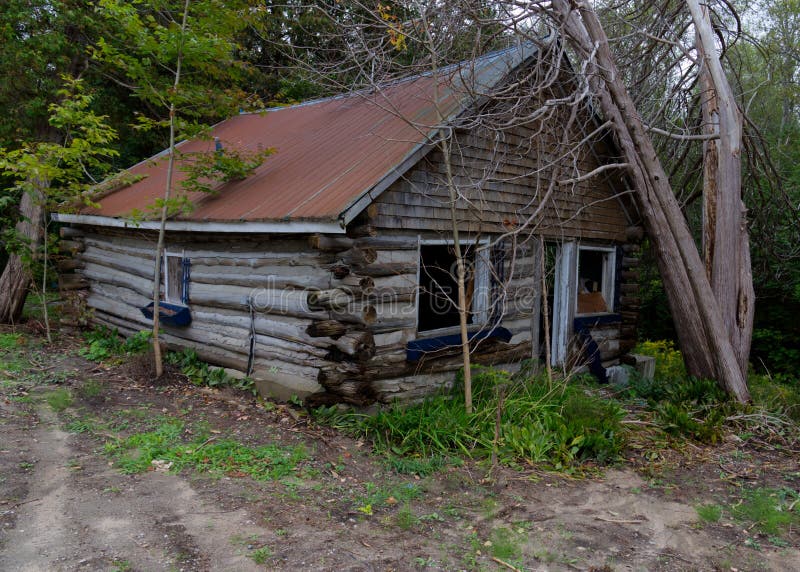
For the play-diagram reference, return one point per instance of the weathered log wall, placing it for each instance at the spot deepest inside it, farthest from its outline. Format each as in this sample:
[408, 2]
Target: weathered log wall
[332, 315]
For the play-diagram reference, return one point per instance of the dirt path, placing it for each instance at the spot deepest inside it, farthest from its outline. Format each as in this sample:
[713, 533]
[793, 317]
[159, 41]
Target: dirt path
[80, 515]
[64, 507]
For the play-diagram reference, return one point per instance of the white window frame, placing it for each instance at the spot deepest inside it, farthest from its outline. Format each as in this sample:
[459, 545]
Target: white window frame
[609, 276]
[481, 302]
[565, 292]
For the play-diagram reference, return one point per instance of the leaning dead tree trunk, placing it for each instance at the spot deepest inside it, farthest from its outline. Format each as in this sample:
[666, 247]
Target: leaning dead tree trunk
[707, 347]
[726, 243]
[16, 279]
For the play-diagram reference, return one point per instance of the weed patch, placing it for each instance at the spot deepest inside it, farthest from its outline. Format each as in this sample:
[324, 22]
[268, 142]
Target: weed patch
[166, 445]
[59, 399]
[11, 341]
[770, 510]
[709, 512]
[416, 465]
[91, 389]
[405, 518]
[11, 349]
[103, 343]
[261, 555]
[506, 544]
[200, 373]
[377, 497]
[778, 393]
[557, 424]
[699, 409]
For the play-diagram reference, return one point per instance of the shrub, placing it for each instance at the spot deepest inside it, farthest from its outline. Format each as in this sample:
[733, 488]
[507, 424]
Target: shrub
[669, 361]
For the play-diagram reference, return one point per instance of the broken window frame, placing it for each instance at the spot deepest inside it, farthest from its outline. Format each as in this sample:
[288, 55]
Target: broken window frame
[481, 302]
[181, 295]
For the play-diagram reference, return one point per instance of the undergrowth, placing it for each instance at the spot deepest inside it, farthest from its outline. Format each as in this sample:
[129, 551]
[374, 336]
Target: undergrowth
[200, 373]
[564, 424]
[699, 409]
[104, 343]
[557, 424]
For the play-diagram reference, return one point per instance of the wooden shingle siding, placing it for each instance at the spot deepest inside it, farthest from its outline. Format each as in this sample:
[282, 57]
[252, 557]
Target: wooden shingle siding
[503, 178]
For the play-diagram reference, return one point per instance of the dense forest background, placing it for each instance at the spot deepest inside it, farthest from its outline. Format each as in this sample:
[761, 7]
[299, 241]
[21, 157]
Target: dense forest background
[254, 62]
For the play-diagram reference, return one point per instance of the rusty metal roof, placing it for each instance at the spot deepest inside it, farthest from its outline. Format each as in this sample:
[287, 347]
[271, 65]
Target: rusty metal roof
[329, 154]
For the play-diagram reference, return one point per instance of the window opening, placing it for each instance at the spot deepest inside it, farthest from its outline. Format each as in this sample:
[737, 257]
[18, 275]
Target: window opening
[595, 281]
[176, 278]
[437, 305]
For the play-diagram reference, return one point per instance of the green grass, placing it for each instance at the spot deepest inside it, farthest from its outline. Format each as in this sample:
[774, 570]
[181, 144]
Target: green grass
[121, 566]
[779, 394]
[59, 400]
[91, 388]
[419, 466]
[559, 424]
[261, 555]
[769, 509]
[12, 347]
[709, 512]
[375, 496]
[406, 518]
[506, 544]
[166, 443]
[11, 341]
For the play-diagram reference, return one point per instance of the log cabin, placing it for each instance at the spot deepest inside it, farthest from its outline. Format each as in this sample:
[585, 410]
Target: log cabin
[328, 271]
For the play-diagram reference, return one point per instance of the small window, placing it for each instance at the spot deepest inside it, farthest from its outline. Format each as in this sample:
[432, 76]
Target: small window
[176, 278]
[437, 303]
[595, 280]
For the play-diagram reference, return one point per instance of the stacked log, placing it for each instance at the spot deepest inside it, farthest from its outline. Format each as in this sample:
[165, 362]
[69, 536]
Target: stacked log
[335, 312]
[630, 300]
[72, 285]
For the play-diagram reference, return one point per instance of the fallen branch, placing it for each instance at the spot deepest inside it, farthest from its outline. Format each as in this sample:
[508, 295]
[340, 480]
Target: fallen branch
[619, 521]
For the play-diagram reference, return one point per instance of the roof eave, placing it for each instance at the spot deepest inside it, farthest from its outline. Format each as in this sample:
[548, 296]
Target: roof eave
[357, 206]
[266, 227]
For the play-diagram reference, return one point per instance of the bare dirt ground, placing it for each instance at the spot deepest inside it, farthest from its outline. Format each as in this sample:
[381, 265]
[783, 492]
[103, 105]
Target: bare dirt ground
[65, 504]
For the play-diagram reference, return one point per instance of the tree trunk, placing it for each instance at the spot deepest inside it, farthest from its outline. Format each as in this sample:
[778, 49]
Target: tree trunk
[707, 349]
[726, 243]
[159, 366]
[16, 279]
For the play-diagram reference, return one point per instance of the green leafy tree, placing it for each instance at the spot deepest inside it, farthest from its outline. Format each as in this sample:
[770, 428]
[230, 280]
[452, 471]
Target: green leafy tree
[180, 58]
[49, 174]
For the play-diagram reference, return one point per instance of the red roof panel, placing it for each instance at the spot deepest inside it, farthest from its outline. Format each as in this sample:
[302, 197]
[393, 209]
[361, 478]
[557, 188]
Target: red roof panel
[328, 152]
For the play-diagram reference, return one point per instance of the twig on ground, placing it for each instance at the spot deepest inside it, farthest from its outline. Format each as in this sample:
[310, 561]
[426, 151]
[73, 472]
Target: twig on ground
[19, 504]
[310, 434]
[619, 521]
[506, 564]
[206, 442]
